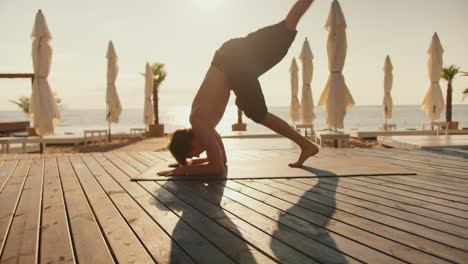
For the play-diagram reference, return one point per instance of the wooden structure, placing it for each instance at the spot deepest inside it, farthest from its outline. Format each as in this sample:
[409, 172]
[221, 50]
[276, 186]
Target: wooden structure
[437, 126]
[411, 142]
[6, 142]
[83, 208]
[93, 136]
[9, 127]
[138, 132]
[305, 127]
[17, 76]
[337, 139]
[373, 134]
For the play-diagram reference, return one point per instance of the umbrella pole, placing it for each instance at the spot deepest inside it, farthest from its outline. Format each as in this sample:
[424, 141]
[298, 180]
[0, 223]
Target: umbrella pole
[41, 145]
[109, 134]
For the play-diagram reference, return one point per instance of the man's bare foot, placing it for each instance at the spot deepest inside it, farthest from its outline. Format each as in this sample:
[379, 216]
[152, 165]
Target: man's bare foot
[306, 152]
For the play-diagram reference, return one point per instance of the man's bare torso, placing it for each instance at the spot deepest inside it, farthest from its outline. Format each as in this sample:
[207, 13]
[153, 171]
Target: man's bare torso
[211, 100]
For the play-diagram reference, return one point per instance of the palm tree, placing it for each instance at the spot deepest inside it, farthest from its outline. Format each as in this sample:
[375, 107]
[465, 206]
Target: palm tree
[465, 93]
[24, 101]
[159, 75]
[448, 74]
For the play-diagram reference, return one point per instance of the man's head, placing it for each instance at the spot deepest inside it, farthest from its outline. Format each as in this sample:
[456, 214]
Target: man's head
[184, 146]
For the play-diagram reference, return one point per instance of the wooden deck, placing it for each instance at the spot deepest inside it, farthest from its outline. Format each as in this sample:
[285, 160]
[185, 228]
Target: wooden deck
[424, 142]
[84, 208]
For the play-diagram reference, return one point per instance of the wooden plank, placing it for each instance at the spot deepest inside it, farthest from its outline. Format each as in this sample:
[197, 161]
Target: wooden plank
[10, 156]
[361, 193]
[22, 243]
[56, 244]
[34, 156]
[125, 245]
[185, 239]
[88, 241]
[425, 201]
[417, 158]
[419, 191]
[404, 232]
[184, 229]
[150, 157]
[328, 190]
[442, 182]
[6, 170]
[274, 247]
[430, 183]
[416, 155]
[239, 246]
[157, 242]
[10, 197]
[283, 231]
[347, 225]
[448, 176]
[22, 156]
[142, 158]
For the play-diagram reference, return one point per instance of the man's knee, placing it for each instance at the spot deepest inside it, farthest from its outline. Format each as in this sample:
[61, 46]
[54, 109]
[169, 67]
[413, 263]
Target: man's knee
[257, 116]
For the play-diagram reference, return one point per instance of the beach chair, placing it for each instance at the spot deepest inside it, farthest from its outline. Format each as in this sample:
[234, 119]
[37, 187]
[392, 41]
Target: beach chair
[138, 132]
[306, 127]
[6, 142]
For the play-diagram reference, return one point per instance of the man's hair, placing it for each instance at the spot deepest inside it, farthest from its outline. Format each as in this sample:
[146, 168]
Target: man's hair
[181, 145]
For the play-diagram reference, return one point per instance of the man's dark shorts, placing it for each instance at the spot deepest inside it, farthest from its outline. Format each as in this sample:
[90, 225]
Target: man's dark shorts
[244, 60]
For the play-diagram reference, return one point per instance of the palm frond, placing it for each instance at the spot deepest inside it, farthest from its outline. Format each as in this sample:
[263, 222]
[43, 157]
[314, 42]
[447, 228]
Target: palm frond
[449, 73]
[465, 94]
[159, 73]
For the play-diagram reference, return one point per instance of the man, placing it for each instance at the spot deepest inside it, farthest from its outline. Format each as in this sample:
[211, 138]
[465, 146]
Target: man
[236, 66]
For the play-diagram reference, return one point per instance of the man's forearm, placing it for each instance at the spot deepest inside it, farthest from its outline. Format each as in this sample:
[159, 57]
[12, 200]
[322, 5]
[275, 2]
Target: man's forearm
[198, 161]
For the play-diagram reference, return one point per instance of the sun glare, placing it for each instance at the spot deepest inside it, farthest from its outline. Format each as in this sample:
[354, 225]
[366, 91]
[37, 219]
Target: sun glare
[207, 3]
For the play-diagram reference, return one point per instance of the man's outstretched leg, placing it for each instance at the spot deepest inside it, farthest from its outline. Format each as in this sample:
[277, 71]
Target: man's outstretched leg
[296, 12]
[275, 123]
[308, 149]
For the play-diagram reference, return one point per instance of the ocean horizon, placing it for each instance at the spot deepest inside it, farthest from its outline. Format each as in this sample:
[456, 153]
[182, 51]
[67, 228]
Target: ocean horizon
[361, 117]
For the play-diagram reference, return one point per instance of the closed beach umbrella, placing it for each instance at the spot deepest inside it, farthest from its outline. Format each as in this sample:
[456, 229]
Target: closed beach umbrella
[336, 98]
[295, 107]
[433, 103]
[307, 102]
[114, 109]
[148, 115]
[388, 84]
[43, 109]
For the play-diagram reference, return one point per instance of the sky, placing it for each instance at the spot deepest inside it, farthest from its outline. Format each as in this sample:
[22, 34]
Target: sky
[184, 34]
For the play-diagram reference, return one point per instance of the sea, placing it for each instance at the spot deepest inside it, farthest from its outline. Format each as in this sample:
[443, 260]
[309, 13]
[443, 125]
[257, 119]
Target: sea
[74, 121]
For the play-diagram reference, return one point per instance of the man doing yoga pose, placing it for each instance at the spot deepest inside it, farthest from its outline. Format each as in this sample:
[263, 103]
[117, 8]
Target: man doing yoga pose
[236, 66]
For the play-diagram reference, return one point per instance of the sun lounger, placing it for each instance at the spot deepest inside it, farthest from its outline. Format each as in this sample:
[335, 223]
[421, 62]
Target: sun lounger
[95, 135]
[338, 139]
[305, 127]
[6, 142]
[138, 132]
[437, 126]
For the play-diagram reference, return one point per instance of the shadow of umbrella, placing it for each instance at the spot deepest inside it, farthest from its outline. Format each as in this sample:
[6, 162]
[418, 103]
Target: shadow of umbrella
[225, 241]
[326, 212]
